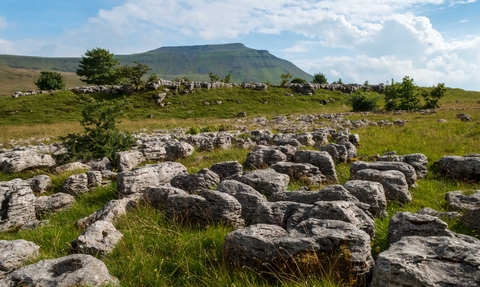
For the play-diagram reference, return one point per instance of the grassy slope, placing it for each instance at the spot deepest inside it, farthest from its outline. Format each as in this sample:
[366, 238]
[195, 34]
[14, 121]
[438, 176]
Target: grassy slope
[156, 252]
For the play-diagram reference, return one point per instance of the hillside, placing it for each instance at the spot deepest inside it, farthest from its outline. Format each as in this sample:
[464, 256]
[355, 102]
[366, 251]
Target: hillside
[195, 62]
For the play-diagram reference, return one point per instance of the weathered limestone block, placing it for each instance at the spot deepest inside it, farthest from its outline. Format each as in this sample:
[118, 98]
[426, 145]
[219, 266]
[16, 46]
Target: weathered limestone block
[14, 253]
[429, 261]
[417, 160]
[19, 160]
[415, 224]
[269, 247]
[40, 183]
[305, 172]
[329, 193]
[460, 167]
[17, 205]
[156, 196]
[177, 150]
[128, 160]
[100, 238]
[193, 183]
[371, 193]
[266, 181]
[137, 180]
[320, 159]
[53, 203]
[72, 270]
[76, 184]
[469, 205]
[246, 195]
[110, 212]
[72, 166]
[407, 170]
[227, 169]
[263, 156]
[393, 181]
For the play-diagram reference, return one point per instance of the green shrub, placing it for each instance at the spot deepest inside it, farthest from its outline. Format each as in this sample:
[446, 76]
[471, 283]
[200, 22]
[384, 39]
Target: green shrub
[319, 79]
[98, 67]
[362, 102]
[101, 137]
[402, 96]
[433, 97]
[298, 81]
[50, 81]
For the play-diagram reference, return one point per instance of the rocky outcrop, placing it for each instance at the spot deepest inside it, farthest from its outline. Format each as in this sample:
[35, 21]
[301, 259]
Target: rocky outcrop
[371, 193]
[137, 180]
[17, 209]
[429, 261]
[15, 253]
[227, 169]
[156, 196]
[193, 183]
[469, 205]
[272, 248]
[407, 170]
[19, 160]
[246, 195]
[266, 181]
[305, 172]
[460, 167]
[100, 238]
[393, 181]
[72, 270]
[320, 159]
[40, 183]
[329, 193]
[110, 212]
[49, 204]
[417, 160]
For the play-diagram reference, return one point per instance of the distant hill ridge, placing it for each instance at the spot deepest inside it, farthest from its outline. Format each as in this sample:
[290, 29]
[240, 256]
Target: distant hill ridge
[195, 62]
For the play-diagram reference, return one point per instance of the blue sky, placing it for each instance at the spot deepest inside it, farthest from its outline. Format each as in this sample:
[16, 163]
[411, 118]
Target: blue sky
[432, 41]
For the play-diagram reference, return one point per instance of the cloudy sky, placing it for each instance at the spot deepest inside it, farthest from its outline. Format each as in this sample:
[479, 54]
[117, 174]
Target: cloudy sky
[431, 41]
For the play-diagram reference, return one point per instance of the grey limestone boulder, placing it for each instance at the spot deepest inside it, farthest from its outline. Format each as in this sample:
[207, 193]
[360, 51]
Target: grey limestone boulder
[72, 166]
[305, 172]
[19, 160]
[227, 169]
[76, 184]
[17, 205]
[266, 181]
[469, 205]
[137, 180]
[460, 167]
[320, 159]
[285, 214]
[329, 193]
[246, 195]
[415, 224]
[371, 193]
[429, 261]
[72, 270]
[100, 238]
[193, 183]
[338, 152]
[53, 203]
[269, 247]
[154, 150]
[176, 150]
[100, 164]
[439, 214]
[156, 196]
[209, 206]
[40, 183]
[128, 160]
[263, 156]
[14, 254]
[110, 212]
[417, 160]
[393, 181]
[407, 170]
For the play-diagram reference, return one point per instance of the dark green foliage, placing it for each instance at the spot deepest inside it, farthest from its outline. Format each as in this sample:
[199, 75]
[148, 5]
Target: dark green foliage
[132, 74]
[339, 82]
[285, 78]
[319, 78]
[433, 97]
[213, 77]
[228, 79]
[152, 78]
[298, 81]
[98, 67]
[50, 81]
[101, 137]
[362, 102]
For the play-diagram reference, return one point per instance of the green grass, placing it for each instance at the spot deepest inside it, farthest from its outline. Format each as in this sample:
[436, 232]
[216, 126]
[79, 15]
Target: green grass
[157, 252]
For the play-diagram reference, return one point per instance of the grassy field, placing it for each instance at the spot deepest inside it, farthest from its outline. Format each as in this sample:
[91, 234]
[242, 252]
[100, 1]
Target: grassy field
[157, 252]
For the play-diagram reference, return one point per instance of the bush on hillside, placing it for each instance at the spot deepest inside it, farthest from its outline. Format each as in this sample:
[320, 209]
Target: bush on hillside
[319, 79]
[50, 81]
[433, 96]
[285, 78]
[101, 137]
[98, 67]
[362, 102]
[298, 81]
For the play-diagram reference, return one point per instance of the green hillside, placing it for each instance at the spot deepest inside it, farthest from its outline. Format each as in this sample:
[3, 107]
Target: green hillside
[194, 62]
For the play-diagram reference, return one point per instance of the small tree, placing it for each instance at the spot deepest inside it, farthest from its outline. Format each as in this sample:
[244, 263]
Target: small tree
[339, 82]
[228, 79]
[285, 78]
[50, 81]
[101, 137]
[98, 67]
[402, 96]
[433, 97]
[319, 79]
[132, 75]
[298, 81]
[213, 77]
